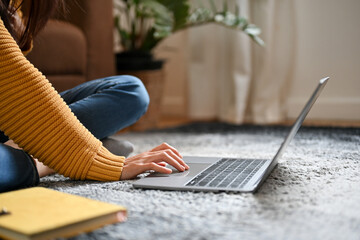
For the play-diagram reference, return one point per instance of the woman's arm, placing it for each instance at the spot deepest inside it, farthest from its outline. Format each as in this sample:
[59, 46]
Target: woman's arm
[41, 168]
[34, 115]
[155, 159]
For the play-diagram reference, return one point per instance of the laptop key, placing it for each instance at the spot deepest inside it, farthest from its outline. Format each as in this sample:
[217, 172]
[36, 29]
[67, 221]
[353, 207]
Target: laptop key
[226, 173]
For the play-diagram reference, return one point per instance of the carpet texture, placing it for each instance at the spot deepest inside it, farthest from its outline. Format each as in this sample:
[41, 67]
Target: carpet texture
[314, 193]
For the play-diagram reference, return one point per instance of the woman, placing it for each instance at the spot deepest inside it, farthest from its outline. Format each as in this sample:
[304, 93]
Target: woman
[62, 130]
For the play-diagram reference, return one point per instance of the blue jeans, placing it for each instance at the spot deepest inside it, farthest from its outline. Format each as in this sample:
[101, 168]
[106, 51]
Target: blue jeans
[103, 106]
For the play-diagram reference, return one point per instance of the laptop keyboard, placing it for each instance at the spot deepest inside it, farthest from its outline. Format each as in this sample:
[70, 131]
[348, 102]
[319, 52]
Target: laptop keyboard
[227, 173]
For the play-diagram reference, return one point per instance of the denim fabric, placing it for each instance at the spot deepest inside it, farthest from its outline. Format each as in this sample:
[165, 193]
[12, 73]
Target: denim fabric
[17, 169]
[108, 105]
[104, 106]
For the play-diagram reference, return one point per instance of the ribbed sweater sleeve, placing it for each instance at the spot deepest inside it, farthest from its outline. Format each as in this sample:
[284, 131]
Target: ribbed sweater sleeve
[35, 117]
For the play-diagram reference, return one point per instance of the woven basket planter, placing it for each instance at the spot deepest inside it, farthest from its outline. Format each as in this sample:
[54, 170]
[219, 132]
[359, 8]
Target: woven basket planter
[154, 83]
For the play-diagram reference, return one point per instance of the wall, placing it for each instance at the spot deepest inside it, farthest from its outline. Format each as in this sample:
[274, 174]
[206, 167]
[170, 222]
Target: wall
[174, 51]
[328, 38]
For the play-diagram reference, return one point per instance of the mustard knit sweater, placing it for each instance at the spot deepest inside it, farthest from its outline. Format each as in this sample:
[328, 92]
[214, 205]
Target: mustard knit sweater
[35, 117]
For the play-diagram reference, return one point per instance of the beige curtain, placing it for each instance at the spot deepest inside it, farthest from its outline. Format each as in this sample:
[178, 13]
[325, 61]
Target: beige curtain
[234, 80]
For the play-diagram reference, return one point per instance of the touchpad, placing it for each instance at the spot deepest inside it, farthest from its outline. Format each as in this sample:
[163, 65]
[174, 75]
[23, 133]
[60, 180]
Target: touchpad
[195, 168]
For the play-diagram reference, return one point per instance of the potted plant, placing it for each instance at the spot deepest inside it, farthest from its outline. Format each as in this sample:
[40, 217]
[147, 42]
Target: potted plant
[142, 24]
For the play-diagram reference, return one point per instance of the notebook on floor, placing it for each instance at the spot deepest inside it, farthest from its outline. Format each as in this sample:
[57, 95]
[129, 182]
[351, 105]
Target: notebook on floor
[226, 174]
[41, 213]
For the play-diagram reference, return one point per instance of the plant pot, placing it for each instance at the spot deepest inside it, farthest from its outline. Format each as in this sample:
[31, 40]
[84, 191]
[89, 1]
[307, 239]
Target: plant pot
[137, 61]
[151, 73]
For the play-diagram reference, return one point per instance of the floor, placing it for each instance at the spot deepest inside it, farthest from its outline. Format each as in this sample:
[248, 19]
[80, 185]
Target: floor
[314, 192]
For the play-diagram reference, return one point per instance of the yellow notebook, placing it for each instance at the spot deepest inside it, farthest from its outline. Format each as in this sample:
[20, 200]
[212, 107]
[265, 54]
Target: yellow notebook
[41, 213]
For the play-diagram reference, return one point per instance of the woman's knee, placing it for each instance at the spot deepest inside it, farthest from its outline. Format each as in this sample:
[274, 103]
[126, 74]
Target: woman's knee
[139, 96]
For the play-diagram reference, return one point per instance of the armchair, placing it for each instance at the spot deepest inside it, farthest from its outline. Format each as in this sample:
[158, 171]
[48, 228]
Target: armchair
[77, 47]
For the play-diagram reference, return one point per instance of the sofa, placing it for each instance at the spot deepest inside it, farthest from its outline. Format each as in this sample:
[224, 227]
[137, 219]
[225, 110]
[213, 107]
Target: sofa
[76, 46]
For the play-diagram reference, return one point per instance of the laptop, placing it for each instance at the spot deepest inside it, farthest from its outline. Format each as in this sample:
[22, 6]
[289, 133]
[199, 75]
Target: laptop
[225, 174]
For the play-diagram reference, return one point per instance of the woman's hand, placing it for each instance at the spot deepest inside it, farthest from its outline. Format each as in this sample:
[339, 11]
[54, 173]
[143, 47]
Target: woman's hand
[156, 160]
[41, 168]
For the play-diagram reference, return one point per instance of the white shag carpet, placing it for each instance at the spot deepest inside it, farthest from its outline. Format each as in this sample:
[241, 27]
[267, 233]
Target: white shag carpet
[314, 193]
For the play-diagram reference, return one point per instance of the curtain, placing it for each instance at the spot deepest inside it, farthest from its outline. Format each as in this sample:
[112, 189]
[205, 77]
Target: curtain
[234, 80]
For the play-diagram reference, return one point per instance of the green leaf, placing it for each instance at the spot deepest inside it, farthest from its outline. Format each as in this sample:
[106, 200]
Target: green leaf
[161, 16]
[252, 30]
[213, 6]
[150, 41]
[154, 9]
[180, 10]
[146, 22]
[258, 40]
[200, 15]
[225, 6]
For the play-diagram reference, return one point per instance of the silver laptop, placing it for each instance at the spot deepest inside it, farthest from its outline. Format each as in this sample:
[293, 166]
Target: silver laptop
[225, 174]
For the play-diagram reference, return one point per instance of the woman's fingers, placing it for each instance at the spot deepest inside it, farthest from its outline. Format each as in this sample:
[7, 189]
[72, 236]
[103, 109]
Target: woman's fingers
[177, 159]
[161, 158]
[171, 151]
[132, 170]
[169, 157]
[155, 160]
[162, 164]
[157, 168]
[165, 146]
